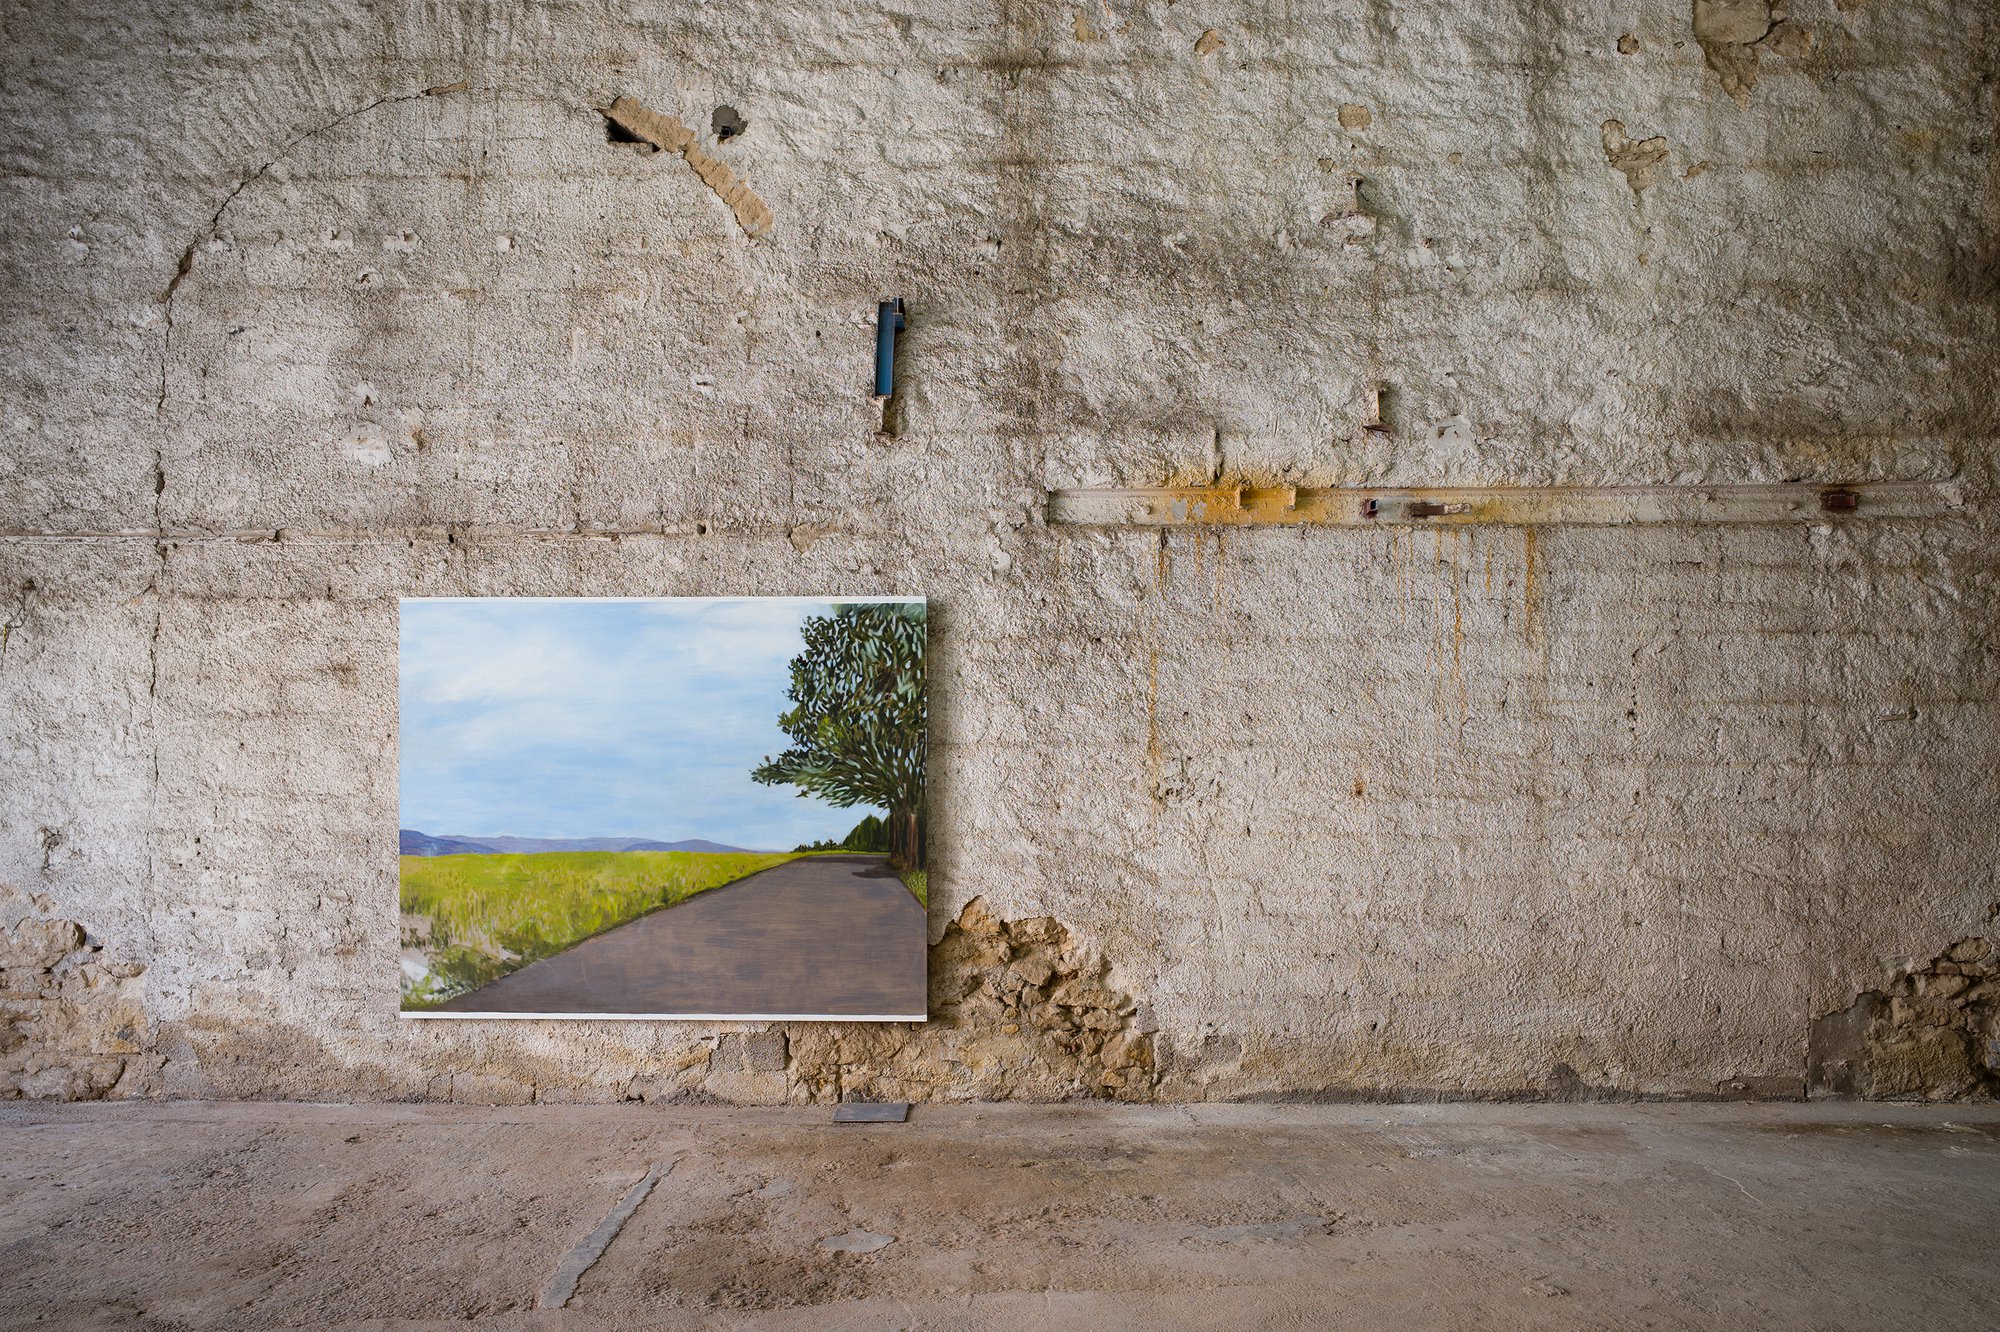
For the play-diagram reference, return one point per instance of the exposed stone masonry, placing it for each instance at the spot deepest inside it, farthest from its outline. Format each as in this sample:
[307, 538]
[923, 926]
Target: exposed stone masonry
[1932, 1034]
[69, 1017]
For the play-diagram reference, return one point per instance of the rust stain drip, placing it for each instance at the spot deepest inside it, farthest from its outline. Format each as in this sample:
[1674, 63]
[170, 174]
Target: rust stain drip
[1395, 572]
[1458, 635]
[1406, 581]
[1153, 707]
[1457, 610]
[1436, 608]
[1528, 582]
[668, 133]
[1458, 632]
[1220, 582]
[1450, 675]
[1163, 570]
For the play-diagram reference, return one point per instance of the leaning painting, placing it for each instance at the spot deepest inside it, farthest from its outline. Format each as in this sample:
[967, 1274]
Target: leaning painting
[662, 808]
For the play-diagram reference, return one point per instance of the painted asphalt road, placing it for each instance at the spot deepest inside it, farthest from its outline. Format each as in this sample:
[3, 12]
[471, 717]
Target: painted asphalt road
[831, 936]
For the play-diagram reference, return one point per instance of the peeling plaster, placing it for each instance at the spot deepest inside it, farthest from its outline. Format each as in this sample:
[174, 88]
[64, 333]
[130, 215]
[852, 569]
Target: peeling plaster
[1640, 160]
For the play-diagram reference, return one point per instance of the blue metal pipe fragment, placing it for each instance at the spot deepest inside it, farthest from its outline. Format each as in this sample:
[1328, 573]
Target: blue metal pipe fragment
[888, 323]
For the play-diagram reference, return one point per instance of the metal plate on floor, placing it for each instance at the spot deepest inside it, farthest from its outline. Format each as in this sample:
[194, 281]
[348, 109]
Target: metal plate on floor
[854, 1112]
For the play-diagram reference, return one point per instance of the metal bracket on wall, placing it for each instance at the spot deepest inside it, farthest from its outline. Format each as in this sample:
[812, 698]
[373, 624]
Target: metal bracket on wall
[1513, 506]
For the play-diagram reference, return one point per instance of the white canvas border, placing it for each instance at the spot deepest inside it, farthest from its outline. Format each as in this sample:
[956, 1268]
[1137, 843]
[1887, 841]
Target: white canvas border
[816, 600]
[427, 1016]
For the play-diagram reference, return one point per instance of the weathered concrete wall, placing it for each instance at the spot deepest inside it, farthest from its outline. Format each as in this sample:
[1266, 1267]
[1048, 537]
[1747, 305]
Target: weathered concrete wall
[287, 335]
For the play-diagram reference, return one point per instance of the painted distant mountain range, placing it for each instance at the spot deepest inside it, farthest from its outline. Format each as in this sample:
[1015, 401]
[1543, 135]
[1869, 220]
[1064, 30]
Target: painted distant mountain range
[414, 843]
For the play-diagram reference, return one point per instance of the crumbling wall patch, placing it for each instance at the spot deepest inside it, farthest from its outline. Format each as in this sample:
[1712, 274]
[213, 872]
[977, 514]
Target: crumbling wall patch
[70, 1019]
[1931, 1034]
[1732, 33]
[1639, 159]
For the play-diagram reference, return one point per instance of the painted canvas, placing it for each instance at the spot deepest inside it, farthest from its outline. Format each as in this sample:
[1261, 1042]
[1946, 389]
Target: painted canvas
[663, 807]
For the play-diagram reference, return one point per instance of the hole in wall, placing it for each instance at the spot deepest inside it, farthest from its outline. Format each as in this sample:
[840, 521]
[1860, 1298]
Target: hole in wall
[617, 133]
[726, 123]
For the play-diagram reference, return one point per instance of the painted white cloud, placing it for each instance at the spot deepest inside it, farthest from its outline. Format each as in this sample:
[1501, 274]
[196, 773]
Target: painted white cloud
[571, 718]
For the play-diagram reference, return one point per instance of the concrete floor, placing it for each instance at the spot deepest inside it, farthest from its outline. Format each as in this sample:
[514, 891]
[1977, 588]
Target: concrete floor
[256, 1215]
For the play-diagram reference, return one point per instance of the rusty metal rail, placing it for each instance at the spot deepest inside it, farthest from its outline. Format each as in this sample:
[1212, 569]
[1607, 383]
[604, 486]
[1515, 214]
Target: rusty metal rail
[1517, 506]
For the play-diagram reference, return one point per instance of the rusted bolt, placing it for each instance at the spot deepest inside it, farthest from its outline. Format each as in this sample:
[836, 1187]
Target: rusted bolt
[1839, 501]
[1371, 508]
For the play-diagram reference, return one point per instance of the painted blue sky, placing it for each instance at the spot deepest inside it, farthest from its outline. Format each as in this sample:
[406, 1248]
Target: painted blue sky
[575, 718]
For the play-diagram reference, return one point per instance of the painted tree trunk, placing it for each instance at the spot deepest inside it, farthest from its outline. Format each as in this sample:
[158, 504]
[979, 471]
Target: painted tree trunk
[906, 849]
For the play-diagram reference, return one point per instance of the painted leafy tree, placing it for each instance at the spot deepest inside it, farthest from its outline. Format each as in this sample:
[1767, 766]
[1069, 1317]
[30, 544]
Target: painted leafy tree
[857, 718]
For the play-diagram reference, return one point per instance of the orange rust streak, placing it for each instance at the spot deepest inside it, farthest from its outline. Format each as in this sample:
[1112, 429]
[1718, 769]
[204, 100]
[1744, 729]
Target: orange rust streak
[1528, 581]
[1153, 705]
[1458, 632]
[1163, 574]
[1219, 569]
[1457, 618]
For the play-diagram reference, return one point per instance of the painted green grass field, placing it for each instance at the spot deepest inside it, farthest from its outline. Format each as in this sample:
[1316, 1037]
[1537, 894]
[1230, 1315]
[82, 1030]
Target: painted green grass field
[470, 919]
